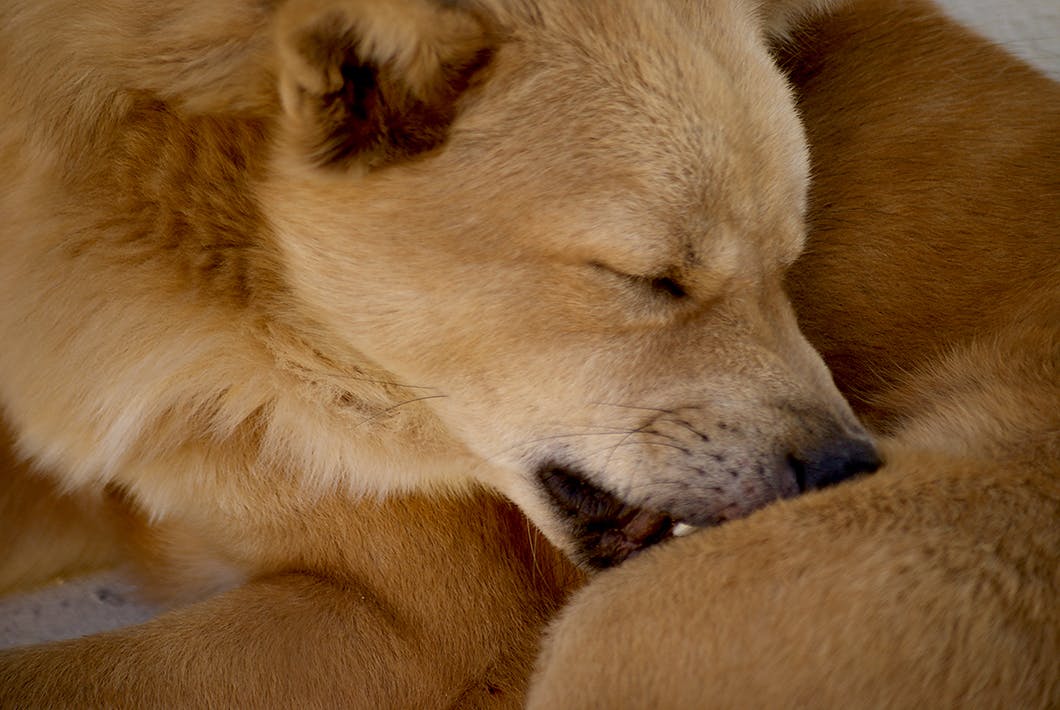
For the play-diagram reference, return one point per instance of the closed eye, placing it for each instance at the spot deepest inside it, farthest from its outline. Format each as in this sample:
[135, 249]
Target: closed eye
[663, 285]
[667, 285]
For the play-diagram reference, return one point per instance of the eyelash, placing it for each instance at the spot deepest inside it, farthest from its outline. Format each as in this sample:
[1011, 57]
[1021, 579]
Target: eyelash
[662, 285]
[667, 285]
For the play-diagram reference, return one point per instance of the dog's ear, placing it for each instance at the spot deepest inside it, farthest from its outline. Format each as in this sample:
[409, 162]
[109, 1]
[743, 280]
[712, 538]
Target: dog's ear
[371, 82]
[780, 17]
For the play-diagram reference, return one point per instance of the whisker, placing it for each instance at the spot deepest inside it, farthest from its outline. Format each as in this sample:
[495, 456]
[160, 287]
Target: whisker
[388, 383]
[377, 415]
[633, 407]
[610, 455]
[654, 443]
[532, 540]
[681, 423]
[553, 437]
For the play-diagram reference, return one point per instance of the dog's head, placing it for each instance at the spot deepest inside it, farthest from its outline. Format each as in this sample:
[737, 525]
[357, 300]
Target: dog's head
[571, 220]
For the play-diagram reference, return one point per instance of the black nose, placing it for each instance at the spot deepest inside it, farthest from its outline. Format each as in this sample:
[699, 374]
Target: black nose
[835, 461]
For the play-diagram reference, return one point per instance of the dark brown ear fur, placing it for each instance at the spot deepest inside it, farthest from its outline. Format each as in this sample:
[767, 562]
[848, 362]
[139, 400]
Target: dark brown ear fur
[369, 83]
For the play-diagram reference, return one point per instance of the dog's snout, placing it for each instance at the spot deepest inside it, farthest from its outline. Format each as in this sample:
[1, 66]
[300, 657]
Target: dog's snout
[833, 462]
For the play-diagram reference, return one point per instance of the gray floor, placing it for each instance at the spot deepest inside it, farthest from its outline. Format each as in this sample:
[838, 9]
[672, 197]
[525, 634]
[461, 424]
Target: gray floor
[1029, 28]
[65, 609]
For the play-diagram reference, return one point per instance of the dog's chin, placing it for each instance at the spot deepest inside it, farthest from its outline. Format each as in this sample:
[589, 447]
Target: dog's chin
[604, 529]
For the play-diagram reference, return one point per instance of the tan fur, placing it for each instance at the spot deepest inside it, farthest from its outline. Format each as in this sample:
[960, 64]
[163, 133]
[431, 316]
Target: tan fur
[265, 265]
[47, 533]
[404, 603]
[424, 259]
[931, 285]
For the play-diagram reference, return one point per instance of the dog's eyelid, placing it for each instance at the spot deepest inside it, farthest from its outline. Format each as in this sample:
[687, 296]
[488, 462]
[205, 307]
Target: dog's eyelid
[669, 286]
[662, 282]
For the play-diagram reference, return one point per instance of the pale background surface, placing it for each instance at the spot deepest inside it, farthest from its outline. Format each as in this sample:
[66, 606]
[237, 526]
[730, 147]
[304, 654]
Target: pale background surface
[1028, 28]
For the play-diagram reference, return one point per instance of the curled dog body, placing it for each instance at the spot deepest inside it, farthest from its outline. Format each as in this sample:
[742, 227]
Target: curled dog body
[931, 285]
[180, 375]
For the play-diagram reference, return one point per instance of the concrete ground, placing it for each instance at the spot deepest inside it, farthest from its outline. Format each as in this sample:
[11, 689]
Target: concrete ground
[69, 608]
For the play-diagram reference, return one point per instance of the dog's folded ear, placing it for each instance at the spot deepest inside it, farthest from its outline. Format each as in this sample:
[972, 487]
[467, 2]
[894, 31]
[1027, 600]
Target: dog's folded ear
[371, 82]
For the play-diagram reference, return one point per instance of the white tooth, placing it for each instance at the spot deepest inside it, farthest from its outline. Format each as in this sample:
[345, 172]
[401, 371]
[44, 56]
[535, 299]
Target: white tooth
[683, 529]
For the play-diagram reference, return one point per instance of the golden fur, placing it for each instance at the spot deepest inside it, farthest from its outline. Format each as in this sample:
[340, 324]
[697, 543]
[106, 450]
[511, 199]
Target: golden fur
[438, 251]
[437, 599]
[931, 285]
[268, 264]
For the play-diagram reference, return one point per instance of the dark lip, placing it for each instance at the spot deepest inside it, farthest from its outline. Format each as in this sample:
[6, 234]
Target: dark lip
[606, 529]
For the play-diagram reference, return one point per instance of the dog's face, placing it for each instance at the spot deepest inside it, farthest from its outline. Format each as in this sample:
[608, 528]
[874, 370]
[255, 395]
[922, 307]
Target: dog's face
[570, 222]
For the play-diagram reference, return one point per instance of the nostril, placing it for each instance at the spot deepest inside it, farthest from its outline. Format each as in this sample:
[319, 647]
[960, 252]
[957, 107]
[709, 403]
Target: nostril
[862, 458]
[835, 462]
[798, 468]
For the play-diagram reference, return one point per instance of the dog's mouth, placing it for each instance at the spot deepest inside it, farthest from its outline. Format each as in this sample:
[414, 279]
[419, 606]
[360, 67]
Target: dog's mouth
[606, 529]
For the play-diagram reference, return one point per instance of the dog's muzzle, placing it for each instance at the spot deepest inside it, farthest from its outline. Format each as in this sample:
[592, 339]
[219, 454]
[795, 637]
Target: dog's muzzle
[607, 530]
